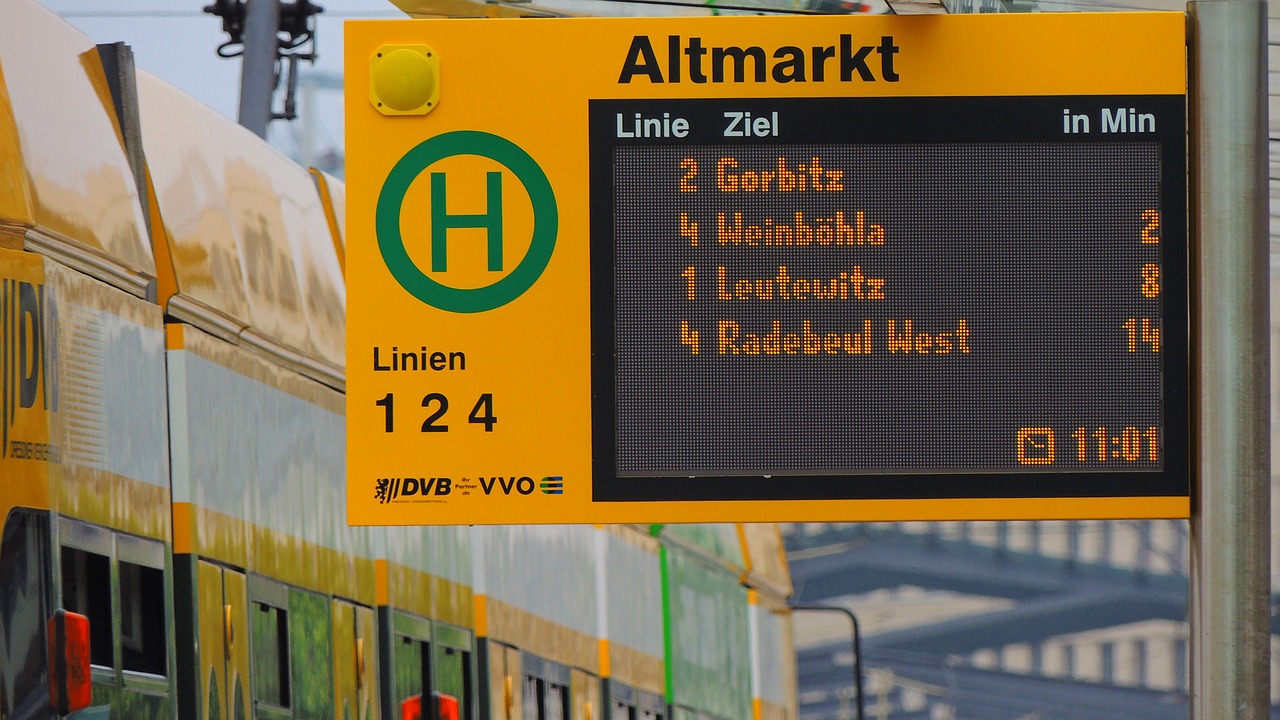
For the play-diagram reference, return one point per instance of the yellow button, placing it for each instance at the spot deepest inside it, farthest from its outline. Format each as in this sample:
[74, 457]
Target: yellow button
[404, 80]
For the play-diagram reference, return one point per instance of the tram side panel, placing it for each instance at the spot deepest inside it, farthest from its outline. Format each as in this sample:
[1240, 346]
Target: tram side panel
[26, 566]
[201, 282]
[427, 618]
[773, 672]
[635, 681]
[212, 536]
[84, 494]
[86, 497]
[275, 584]
[540, 614]
[709, 661]
[259, 458]
[112, 488]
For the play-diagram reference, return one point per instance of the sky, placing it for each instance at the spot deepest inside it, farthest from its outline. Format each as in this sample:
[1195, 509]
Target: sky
[176, 41]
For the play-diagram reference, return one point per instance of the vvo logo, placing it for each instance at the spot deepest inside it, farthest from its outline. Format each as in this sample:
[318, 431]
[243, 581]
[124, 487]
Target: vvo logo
[492, 222]
[523, 485]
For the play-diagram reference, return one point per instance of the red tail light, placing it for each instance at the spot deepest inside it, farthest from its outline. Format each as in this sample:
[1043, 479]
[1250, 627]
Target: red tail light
[448, 706]
[69, 686]
[411, 709]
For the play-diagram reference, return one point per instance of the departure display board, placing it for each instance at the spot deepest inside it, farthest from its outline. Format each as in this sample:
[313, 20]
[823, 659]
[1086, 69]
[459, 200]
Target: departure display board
[739, 269]
[925, 294]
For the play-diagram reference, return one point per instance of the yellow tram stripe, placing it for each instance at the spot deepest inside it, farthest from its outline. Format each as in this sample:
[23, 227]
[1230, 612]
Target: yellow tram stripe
[482, 615]
[182, 528]
[173, 339]
[381, 583]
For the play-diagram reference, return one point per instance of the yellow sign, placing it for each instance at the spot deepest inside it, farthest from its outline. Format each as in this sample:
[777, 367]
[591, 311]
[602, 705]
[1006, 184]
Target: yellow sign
[766, 269]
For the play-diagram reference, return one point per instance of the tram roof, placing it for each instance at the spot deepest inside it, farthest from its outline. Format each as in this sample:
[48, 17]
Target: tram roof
[66, 185]
[250, 252]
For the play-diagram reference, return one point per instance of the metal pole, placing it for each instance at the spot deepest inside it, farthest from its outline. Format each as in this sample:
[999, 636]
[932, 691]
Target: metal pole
[1230, 523]
[258, 69]
[857, 646]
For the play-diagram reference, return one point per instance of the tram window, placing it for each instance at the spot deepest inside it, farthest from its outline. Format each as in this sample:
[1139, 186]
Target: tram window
[648, 707]
[311, 655]
[142, 639]
[544, 700]
[24, 560]
[412, 668]
[270, 655]
[623, 711]
[453, 676]
[530, 700]
[556, 702]
[86, 589]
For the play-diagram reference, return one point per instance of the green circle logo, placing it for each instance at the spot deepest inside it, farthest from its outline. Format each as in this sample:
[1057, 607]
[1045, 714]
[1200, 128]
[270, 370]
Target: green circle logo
[391, 241]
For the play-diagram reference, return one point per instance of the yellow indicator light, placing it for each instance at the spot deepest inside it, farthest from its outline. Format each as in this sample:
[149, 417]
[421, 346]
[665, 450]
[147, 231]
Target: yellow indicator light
[404, 80]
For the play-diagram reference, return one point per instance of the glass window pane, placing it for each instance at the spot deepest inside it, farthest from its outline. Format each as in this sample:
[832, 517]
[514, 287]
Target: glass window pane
[24, 608]
[86, 589]
[410, 664]
[142, 613]
[270, 633]
[557, 702]
[529, 699]
[311, 656]
[453, 676]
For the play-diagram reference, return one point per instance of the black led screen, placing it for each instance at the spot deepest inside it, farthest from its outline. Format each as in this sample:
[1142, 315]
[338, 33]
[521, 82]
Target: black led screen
[980, 297]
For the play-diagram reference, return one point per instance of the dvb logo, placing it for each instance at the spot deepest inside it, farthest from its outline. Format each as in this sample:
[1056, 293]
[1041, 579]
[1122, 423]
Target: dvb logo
[389, 489]
[29, 326]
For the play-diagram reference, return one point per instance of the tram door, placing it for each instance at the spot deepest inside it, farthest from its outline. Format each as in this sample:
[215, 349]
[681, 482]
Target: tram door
[24, 577]
[505, 683]
[585, 689]
[224, 643]
[355, 661]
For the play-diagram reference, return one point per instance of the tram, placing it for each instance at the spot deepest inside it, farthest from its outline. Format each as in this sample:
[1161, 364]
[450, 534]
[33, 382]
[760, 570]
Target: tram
[172, 458]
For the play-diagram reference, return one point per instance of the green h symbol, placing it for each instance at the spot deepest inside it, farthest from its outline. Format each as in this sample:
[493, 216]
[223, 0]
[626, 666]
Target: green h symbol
[442, 221]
